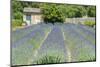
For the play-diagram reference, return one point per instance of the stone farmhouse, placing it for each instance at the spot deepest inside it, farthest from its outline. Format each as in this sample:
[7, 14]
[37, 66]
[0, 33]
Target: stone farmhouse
[32, 16]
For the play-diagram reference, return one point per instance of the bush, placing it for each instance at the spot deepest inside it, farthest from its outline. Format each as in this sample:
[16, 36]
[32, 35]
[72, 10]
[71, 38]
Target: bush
[52, 14]
[16, 23]
[91, 11]
[75, 11]
[89, 23]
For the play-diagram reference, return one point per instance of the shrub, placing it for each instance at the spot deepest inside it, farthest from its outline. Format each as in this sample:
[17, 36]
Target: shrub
[89, 23]
[52, 14]
[49, 60]
[16, 23]
[91, 11]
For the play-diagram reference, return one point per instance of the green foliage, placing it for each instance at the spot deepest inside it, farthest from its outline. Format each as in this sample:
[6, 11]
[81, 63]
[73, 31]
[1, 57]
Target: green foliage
[16, 23]
[75, 11]
[70, 12]
[52, 13]
[18, 15]
[89, 23]
[85, 55]
[91, 11]
[49, 59]
[17, 9]
[81, 11]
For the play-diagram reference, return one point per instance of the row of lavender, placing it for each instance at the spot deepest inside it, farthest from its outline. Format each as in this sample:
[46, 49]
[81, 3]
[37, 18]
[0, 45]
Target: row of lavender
[69, 41]
[26, 43]
[78, 40]
[81, 42]
[54, 45]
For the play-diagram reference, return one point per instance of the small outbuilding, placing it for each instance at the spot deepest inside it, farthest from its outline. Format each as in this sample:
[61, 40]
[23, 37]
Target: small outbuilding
[32, 16]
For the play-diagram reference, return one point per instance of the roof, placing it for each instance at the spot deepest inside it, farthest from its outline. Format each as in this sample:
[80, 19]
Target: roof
[32, 10]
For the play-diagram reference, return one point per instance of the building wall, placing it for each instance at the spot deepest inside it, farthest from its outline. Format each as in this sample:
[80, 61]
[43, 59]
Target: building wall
[28, 22]
[36, 18]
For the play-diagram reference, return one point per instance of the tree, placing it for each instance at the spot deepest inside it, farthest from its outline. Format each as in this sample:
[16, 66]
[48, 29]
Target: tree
[75, 11]
[91, 11]
[17, 9]
[52, 13]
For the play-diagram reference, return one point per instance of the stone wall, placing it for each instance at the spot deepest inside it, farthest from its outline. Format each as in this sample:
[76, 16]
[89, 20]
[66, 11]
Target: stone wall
[79, 20]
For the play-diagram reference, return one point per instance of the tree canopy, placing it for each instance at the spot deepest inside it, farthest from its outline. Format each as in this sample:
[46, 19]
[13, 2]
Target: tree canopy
[52, 13]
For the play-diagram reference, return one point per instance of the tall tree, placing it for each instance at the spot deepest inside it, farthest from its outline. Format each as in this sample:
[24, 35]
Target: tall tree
[91, 11]
[52, 13]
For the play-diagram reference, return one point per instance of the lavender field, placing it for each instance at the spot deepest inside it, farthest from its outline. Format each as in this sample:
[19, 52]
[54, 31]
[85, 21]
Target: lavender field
[70, 42]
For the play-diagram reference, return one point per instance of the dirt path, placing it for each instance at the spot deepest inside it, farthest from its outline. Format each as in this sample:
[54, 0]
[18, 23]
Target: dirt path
[67, 48]
[54, 45]
[36, 51]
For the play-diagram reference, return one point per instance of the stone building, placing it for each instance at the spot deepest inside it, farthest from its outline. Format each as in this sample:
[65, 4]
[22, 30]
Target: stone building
[32, 16]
